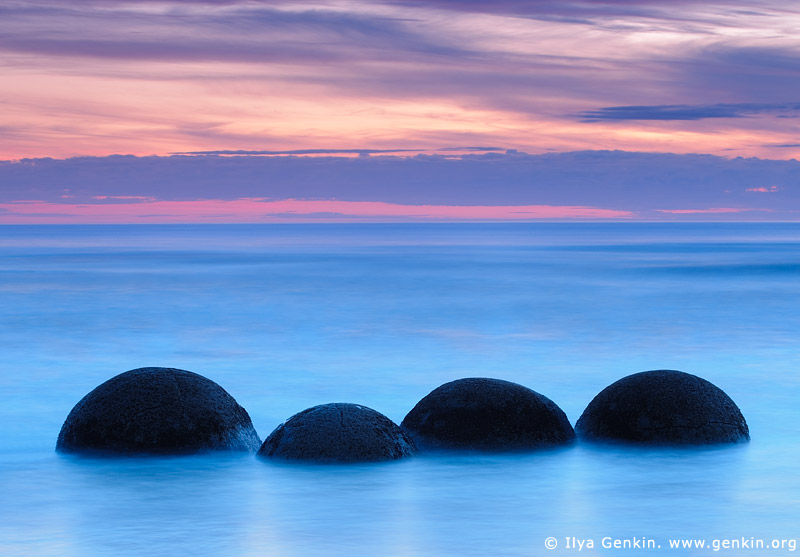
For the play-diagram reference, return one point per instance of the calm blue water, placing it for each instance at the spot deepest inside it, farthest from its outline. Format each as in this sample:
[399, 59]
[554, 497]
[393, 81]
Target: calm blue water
[289, 316]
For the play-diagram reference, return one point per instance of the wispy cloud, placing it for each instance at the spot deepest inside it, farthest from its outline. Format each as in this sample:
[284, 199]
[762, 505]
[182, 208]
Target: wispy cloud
[240, 32]
[578, 12]
[141, 76]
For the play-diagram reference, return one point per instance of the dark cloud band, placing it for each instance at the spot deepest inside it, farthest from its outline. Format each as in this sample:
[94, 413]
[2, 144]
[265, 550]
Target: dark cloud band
[687, 112]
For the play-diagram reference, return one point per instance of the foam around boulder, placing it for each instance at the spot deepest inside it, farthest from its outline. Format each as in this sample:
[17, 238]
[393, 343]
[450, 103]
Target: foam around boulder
[338, 432]
[488, 415]
[663, 407]
[157, 410]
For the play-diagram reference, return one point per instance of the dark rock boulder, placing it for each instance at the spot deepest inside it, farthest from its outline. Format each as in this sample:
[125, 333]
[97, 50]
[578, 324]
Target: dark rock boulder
[487, 415]
[157, 410]
[663, 407]
[338, 432]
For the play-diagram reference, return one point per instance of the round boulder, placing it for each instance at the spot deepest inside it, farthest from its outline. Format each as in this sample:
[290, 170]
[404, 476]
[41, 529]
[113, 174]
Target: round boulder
[157, 410]
[338, 432]
[663, 407]
[487, 415]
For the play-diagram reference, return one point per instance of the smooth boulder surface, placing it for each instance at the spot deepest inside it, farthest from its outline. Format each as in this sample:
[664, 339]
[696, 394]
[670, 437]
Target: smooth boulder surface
[157, 410]
[663, 407]
[487, 415]
[338, 432]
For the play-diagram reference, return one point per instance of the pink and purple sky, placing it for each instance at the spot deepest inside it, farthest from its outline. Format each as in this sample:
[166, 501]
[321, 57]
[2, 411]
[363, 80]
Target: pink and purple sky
[365, 99]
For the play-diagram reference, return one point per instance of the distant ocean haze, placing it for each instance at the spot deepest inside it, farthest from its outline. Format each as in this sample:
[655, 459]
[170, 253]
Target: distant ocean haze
[505, 186]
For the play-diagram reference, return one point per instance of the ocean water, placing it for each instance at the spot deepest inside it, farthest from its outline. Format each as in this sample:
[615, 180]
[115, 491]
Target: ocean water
[285, 317]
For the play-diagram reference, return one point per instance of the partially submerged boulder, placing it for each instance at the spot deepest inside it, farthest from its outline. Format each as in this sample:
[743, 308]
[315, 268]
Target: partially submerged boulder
[157, 410]
[338, 432]
[487, 415]
[664, 407]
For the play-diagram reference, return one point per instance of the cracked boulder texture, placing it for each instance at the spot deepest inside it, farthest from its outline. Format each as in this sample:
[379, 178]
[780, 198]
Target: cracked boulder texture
[338, 432]
[487, 415]
[157, 410]
[663, 407]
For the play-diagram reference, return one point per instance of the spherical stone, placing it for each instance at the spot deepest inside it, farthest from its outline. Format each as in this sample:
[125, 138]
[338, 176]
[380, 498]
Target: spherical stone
[338, 432]
[487, 415]
[663, 407]
[157, 410]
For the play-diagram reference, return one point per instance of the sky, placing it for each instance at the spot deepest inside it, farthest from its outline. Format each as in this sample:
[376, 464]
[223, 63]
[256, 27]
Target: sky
[207, 87]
